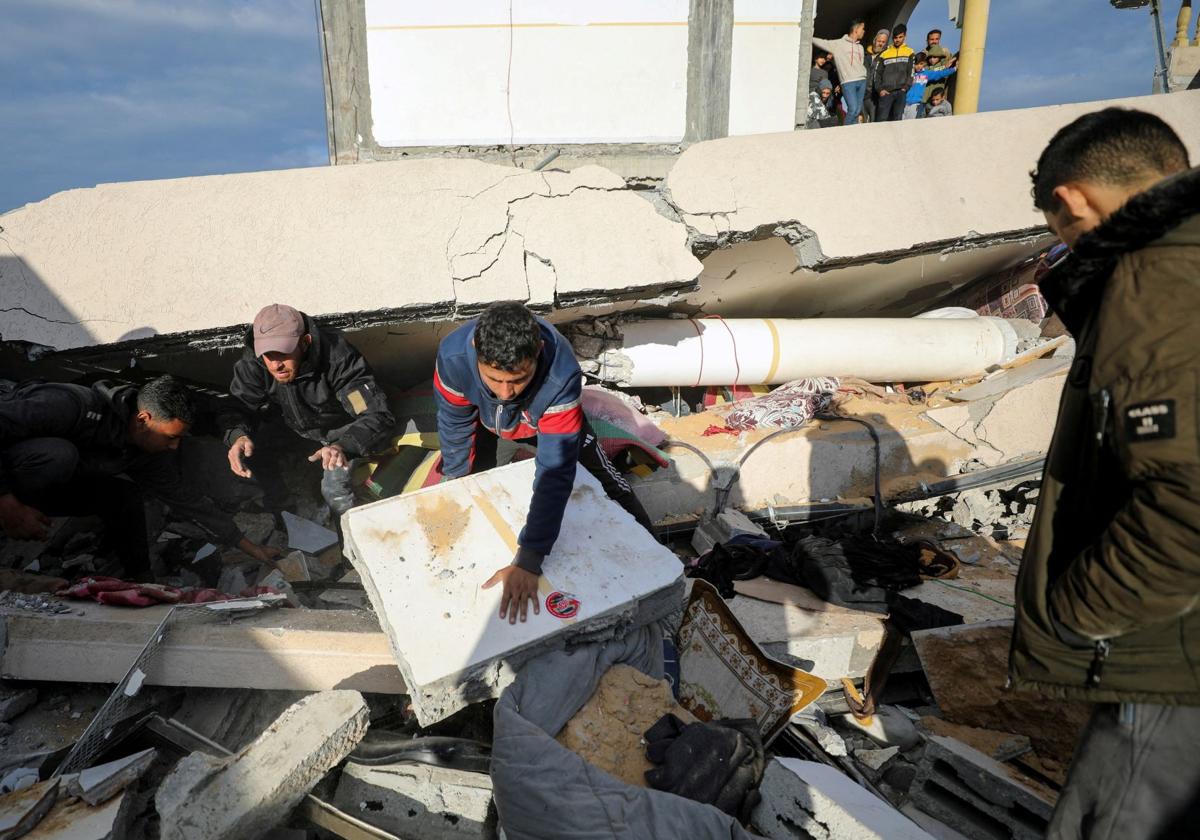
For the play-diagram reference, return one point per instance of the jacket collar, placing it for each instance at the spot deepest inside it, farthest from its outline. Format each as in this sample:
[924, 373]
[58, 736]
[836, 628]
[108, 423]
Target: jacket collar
[1074, 287]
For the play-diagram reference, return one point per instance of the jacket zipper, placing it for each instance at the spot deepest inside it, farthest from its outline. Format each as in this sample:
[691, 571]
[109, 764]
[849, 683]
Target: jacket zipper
[1102, 414]
[1100, 654]
[499, 408]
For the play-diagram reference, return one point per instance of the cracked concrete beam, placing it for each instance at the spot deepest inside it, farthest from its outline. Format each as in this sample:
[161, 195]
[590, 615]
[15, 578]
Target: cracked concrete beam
[823, 183]
[165, 264]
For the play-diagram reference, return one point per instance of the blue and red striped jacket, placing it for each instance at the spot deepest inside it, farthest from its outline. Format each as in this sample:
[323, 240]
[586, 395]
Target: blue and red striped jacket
[549, 408]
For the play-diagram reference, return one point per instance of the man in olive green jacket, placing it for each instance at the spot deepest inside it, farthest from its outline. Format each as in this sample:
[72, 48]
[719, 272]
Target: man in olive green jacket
[1108, 589]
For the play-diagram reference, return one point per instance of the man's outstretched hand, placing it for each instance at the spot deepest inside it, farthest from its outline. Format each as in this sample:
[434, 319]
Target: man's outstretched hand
[19, 521]
[332, 457]
[266, 554]
[520, 587]
[242, 448]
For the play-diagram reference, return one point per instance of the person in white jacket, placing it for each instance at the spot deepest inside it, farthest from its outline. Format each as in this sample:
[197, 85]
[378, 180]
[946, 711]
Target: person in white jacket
[850, 59]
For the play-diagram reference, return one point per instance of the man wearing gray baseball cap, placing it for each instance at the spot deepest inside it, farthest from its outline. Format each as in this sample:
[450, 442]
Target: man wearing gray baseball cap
[323, 388]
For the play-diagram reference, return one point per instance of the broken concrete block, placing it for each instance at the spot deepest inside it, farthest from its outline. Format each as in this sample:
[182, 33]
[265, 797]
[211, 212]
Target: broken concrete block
[888, 727]
[252, 791]
[806, 799]
[970, 792]
[424, 556]
[256, 527]
[101, 783]
[74, 819]
[607, 731]
[23, 809]
[876, 760]
[294, 566]
[419, 800]
[19, 778]
[721, 528]
[1001, 746]
[967, 668]
[14, 703]
[306, 535]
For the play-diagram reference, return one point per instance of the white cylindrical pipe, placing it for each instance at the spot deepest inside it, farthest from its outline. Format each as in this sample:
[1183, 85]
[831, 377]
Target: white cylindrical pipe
[769, 351]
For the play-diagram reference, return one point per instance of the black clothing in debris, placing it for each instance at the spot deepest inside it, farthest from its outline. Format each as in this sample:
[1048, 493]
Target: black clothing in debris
[719, 763]
[856, 571]
[64, 450]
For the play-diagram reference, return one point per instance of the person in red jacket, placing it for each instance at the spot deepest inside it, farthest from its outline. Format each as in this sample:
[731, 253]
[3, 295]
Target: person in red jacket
[510, 374]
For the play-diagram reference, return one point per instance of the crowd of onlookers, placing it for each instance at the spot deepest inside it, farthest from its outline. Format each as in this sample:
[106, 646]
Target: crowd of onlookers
[885, 80]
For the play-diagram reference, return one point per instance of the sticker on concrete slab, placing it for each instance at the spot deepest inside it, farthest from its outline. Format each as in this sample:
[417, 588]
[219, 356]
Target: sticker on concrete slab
[562, 605]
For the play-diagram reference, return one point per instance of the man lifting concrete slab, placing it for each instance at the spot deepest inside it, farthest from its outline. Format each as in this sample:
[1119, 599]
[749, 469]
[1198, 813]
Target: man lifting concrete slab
[510, 374]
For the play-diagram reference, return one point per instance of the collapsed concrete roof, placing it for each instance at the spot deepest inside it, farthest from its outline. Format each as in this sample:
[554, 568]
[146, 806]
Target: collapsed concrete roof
[884, 190]
[409, 240]
[786, 224]
[881, 219]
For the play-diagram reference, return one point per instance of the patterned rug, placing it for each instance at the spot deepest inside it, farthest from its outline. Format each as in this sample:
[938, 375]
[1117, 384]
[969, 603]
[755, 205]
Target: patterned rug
[723, 673]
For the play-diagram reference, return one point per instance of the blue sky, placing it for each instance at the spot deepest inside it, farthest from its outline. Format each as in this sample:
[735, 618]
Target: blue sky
[117, 90]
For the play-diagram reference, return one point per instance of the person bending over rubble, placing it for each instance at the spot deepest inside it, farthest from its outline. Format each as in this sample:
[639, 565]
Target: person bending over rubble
[326, 392]
[509, 373]
[73, 450]
[1108, 588]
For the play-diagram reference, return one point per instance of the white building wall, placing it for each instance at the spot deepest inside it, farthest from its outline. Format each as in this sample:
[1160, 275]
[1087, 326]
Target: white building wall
[766, 50]
[580, 72]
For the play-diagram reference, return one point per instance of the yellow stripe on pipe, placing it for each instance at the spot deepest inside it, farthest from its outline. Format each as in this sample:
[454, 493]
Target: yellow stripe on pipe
[774, 350]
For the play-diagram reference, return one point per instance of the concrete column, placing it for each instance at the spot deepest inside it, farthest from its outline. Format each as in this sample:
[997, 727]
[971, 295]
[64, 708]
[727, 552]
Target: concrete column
[710, 66]
[347, 85]
[804, 71]
[970, 55]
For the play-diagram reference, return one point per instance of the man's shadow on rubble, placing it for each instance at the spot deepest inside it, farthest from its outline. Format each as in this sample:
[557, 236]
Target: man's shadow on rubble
[841, 483]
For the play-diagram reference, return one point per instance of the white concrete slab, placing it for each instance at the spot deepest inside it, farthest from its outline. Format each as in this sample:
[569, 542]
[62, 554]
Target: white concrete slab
[827, 805]
[424, 556]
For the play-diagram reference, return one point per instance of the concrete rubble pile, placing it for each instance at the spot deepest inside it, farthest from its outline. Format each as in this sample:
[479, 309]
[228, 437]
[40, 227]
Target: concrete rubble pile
[364, 686]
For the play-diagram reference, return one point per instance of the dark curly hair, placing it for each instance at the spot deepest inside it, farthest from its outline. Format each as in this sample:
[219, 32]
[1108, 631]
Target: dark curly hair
[1115, 146]
[507, 336]
[166, 398]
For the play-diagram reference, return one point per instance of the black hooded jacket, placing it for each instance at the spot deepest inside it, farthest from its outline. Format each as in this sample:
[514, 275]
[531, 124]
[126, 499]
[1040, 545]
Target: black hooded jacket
[96, 420]
[334, 398]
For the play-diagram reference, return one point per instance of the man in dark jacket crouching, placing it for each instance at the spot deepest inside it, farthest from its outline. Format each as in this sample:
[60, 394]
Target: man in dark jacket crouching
[325, 391]
[1108, 589]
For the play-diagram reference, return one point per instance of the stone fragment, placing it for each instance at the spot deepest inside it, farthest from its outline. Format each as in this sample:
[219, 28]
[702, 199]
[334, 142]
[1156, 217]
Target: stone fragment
[876, 760]
[419, 800]
[244, 795]
[721, 528]
[257, 527]
[306, 535]
[423, 557]
[967, 668]
[607, 731]
[294, 566]
[888, 727]
[99, 784]
[1002, 746]
[806, 799]
[14, 703]
[970, 792]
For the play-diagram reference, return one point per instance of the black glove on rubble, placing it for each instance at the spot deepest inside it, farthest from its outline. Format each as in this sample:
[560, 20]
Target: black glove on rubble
[719, 763]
